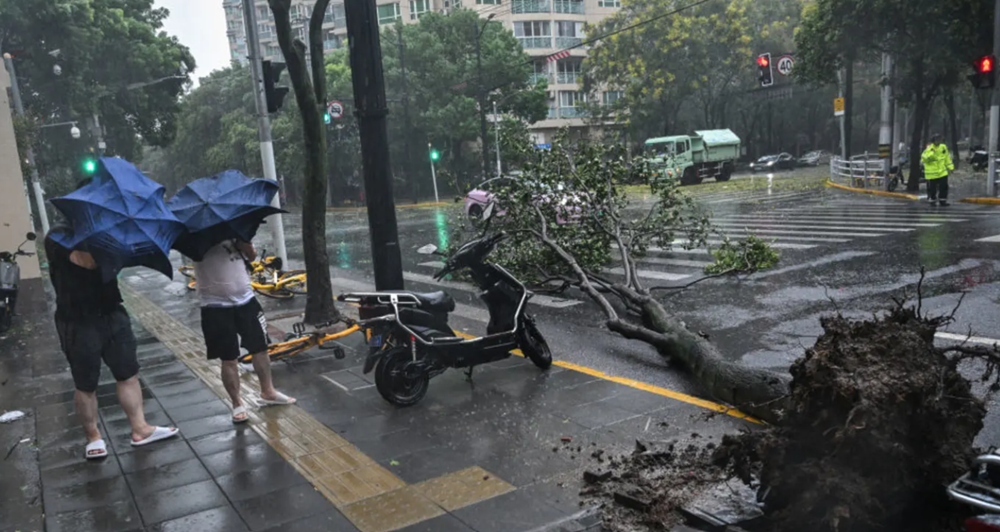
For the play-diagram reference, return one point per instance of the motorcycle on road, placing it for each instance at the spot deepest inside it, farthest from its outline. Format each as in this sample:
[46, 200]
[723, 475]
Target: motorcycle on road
[414, 341]
[10, 280]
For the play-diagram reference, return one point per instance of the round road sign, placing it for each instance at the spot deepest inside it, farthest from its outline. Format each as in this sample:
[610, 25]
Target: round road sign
[336, 109]
[785, 64]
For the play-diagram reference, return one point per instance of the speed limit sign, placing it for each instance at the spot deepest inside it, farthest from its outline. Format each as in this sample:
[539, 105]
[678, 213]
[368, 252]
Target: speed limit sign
[785, 64]
[336, 109]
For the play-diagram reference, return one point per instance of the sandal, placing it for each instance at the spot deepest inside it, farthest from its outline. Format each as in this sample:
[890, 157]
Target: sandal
[159, 433]
[240, 414]
[95, 450]
[280, 399]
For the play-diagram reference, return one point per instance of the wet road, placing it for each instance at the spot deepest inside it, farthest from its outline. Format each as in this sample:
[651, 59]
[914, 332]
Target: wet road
[839, 251]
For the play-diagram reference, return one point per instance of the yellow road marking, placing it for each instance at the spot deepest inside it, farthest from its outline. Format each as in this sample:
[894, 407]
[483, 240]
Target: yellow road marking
[872, 192]
[664, 392]
[982, 201]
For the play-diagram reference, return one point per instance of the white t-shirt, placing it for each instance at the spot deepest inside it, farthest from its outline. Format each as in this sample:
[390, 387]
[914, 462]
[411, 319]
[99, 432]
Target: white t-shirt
[222, 277]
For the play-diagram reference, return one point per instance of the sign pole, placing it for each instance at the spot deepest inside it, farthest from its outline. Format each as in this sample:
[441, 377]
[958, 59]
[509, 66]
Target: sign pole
[434, 178]
[991, 175]
[885, 127]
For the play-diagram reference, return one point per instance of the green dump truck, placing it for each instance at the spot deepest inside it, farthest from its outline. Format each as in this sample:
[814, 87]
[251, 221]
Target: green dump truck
[711, 153]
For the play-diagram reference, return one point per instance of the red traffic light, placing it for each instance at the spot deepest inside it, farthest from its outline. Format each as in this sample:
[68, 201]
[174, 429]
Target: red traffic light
[763, 61]
[985, 64]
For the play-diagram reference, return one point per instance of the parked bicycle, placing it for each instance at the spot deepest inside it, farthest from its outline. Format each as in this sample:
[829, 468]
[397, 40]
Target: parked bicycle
[266, 278]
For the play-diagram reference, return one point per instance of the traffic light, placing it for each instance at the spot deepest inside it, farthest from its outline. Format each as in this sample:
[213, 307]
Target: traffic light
[435, 155]
[326, 118]
[765, 73]
[274, 94]
[89, 165]
[985, 72]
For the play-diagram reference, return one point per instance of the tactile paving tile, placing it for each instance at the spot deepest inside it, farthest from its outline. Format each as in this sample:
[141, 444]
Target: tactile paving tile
[391, 511]
[463, 488]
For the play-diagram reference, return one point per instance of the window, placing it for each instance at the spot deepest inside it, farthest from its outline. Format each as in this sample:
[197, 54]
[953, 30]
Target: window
[534, 34]
[529, 6]
[568, 34]
[571, 104]
[388, 13]
[335, 14]
[265, 30]
[569, 71]
[234, 24]
[331, 41]
[612, 97]
[263, 13]
[609, 3]
[272, 51]
[419, 7]
[540, 71]
[488, 2]
[569, 6]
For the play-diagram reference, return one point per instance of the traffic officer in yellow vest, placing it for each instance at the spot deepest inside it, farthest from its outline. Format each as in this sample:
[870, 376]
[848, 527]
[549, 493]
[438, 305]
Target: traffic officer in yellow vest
[937, 165]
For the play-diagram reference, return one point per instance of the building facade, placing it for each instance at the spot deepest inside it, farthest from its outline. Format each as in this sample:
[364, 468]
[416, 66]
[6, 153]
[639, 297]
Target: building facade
[545, 28]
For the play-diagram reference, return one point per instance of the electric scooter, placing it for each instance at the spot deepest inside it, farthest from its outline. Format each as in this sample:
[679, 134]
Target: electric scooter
[411, 341]
[10, 280]
[980, 489]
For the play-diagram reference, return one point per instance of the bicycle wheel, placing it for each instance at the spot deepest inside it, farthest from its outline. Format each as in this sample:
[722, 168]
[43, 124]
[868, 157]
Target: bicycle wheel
[295, 282]
[273, 292]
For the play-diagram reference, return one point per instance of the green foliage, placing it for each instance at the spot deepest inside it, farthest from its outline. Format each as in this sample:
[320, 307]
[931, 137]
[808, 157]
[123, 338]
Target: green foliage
[574, 197]
[746, 255]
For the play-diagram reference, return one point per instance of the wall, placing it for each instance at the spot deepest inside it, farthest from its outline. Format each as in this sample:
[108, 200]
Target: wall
[15, 218]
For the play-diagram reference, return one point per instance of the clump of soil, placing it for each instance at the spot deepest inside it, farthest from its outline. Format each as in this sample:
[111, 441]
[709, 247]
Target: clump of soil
[879, 422]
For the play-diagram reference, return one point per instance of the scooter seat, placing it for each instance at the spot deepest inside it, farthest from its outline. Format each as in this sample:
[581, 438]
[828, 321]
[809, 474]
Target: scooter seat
[436, 301]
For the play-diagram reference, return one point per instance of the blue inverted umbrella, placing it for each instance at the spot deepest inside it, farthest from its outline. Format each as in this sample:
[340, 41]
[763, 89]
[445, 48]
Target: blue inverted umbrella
[120, 218]
[223, 207]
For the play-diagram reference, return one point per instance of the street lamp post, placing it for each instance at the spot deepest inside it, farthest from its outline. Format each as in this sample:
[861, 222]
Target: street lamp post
[36, 185]
[496, 129]
[482, 90]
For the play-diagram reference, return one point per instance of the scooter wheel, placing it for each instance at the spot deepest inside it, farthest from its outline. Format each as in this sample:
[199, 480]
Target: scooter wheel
[397, 381]
[533, 344]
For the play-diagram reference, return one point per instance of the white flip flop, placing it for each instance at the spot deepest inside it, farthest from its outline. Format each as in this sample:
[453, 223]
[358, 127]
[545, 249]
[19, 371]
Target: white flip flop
[281, 400]
[95, 450]
[240, 411]
[159, 433]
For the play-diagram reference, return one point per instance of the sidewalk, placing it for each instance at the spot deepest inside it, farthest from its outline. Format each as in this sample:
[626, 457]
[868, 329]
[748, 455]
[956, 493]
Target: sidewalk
[504, 453]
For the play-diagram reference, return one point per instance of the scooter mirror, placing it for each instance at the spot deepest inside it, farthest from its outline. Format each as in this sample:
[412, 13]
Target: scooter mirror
[31, 236]
[429, 249]
[488, 212]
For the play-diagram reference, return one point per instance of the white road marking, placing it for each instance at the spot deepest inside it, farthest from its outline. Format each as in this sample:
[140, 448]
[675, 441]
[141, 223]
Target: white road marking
[842, 227]
[826, 220]
[648, 274]
[776, 245]
[995, 238]
[965, 338]
[675, 262]
[432, 264]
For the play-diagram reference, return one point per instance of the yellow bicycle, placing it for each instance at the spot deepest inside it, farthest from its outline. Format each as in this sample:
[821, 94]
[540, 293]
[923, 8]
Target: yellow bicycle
[302, 341]
[266, 278]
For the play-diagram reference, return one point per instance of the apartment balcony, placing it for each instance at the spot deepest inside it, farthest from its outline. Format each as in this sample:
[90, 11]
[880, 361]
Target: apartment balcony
[567, 42]
[568, 78]
[535, 42]
[519, 7]
[572, 112]
[573, 7]
[533, 79]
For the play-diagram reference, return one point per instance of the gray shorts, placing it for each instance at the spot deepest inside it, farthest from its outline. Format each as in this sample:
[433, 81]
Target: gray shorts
[87, 341]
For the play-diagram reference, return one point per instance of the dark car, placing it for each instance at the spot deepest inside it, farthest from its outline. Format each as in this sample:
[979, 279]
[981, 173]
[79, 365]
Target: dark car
[770, 163]
[815, 158]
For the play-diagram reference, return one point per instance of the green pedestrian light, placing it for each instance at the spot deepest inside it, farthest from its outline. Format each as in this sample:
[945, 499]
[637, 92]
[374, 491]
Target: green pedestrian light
[89, 166]
[435, 155]
[326, 118]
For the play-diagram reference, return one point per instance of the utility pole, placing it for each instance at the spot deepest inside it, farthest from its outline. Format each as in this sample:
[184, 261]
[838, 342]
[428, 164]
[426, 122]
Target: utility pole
[496, 129]
[370, 105]
[991, 175]
[407, 154]
[482, 90]
[885, 127]
[36, 184]
[843, 132]
[264, 126]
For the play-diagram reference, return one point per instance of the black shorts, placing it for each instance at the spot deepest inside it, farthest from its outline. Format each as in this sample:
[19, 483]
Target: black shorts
[86, 341]
[227, 328]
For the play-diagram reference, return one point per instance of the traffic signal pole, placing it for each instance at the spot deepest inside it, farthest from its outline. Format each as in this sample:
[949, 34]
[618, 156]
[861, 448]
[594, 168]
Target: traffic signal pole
[36, 185]
[370, 103]
[991, 179]
[264, 126]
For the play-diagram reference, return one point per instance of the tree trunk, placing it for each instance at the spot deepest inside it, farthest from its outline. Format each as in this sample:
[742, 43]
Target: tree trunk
[319, 302]
[949, 102]
[848, 103]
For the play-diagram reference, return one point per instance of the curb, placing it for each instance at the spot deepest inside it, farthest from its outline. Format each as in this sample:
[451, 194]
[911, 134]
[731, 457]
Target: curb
[408, 206]
[883, 193]
[981, 201]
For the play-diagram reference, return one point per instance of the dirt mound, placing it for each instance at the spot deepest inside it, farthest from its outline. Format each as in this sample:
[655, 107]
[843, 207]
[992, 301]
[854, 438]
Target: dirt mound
[879, 421]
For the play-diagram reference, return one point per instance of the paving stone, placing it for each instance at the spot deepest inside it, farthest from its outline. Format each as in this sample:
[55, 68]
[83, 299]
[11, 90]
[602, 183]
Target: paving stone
[85, 496]
[222, 519]
[443, 523]
[331, 520]
[150, 480]
[115, 412]
[223, 441]
[281, 506]
[158, 454]
[513, 511]
[599, 414]
[266, 478]
[240, 459]
[210, 425]
[118, 516]
[428, 463]
[112, 399]
[181, 501]
[179, 390]
[81, 472]
[181, 414]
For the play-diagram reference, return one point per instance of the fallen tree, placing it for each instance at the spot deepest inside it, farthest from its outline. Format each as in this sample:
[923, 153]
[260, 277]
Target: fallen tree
[573, 222]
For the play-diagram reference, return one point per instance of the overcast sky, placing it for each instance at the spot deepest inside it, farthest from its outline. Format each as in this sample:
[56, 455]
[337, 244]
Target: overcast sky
[201, 26]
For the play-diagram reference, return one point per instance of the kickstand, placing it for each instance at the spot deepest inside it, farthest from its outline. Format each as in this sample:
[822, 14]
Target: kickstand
[468, 373]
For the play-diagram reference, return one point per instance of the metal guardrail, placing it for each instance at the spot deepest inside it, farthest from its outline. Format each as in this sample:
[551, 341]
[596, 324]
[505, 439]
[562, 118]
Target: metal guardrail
[860, 171]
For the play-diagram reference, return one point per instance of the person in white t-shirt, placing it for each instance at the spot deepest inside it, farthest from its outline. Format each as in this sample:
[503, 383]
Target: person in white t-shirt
[230, 317]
